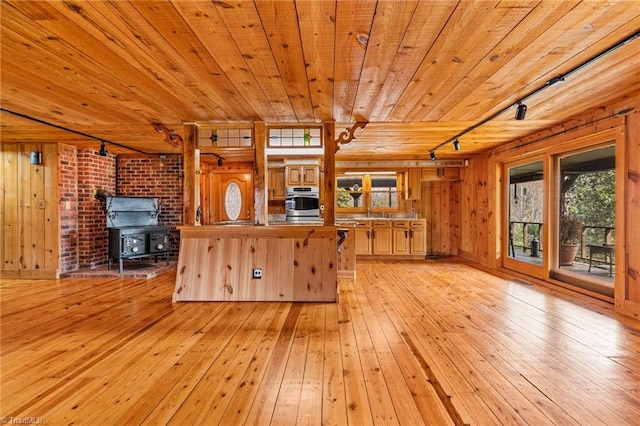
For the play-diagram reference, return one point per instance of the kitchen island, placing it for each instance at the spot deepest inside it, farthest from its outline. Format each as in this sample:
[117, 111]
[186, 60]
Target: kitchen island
[247, 262]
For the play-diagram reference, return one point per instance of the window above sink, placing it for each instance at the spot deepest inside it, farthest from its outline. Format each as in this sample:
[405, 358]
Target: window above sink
[369, 192]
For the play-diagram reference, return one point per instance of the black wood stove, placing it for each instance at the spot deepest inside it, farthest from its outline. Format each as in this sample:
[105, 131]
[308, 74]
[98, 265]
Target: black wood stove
[134, 231]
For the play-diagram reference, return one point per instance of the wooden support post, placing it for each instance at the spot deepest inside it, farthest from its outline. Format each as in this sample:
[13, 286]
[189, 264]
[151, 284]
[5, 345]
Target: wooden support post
[329, 180]
[190, 167]
[261, 203]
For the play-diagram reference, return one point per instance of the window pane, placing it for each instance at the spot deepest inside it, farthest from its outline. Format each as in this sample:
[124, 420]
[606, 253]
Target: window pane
[384, 200]
[349, 192]
[526, 197]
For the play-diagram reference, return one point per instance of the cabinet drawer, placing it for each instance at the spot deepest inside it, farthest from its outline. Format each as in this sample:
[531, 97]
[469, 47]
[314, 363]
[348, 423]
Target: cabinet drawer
[418, 224]
[381, 224]
[400, 223]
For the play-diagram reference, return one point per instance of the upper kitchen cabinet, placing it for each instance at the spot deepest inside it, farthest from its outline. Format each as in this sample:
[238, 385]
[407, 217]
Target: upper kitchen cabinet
[277, 179]
[303, 175]
[414, 177]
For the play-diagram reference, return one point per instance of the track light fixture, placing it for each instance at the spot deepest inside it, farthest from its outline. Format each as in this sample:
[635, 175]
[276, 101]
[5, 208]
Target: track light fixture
[432, 155]
[521, 112]
[103, 149]
[456, 144]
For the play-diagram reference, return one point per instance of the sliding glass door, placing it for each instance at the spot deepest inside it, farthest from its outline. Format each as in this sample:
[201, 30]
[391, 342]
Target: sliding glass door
[524, 225]
[585, 216]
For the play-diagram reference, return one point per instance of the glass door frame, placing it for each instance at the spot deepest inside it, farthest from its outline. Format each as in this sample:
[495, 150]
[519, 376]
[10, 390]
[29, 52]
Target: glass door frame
[512, 263]
[556, 272]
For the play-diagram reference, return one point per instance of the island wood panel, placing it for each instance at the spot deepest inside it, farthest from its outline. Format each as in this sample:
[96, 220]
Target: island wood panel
[298, 263]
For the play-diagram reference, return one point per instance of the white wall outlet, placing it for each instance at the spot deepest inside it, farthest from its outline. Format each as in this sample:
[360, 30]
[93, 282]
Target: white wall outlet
[257, 273]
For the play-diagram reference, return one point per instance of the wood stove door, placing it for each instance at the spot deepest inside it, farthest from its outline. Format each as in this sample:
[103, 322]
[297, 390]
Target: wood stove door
[227, 197]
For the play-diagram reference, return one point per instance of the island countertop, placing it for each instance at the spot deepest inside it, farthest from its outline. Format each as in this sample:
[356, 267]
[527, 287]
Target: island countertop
[257, 263]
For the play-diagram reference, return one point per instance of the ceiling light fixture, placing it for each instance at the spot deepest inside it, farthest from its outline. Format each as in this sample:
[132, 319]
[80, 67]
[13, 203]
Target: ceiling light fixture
[456, 144]
[103, 149]
[521, 112]
[432, 155]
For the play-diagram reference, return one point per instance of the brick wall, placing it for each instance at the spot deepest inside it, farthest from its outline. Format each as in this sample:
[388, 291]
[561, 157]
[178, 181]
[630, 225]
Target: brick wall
[68, 190]
[84, 236]
[159, 177]
[93, 171]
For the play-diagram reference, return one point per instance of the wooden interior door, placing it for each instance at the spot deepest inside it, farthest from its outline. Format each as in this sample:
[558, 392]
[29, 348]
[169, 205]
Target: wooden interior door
[233, 197]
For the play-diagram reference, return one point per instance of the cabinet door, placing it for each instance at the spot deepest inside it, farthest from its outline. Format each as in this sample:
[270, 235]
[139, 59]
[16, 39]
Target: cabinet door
[294, 175]
[382, 238]
[363, 239]
[277, 183]
[310, 175]
[414, 177]
[418, 237]
[400, 240]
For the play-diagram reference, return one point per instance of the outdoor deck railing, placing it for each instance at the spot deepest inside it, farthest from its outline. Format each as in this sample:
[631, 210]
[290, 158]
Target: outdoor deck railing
[522, 233]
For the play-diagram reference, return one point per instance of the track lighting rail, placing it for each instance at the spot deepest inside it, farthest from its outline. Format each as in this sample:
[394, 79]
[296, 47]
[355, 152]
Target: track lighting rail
[546, 85]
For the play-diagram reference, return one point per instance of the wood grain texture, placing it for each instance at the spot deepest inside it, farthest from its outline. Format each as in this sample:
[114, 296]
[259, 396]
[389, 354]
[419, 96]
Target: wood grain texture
[425, 342]
[298, 263]
[420, 72]
[30, 212]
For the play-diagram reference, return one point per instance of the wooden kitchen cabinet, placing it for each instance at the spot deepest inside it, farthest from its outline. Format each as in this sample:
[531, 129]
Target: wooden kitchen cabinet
[382, 237]
[418, 237]
[414, 177]
[401, 240]
[303, 175]
[391, 237]
[440, 173]
[409, 237]
[363, 238]
[277, 183]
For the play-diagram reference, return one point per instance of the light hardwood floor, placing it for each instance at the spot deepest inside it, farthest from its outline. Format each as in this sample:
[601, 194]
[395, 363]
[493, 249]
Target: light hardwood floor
[434, 342]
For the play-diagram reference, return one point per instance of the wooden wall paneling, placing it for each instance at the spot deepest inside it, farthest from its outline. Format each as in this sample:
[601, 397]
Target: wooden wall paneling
[474, 198]
[10, 211]
[31, 245]
[25, 221]
[454, 217]
[629, 301]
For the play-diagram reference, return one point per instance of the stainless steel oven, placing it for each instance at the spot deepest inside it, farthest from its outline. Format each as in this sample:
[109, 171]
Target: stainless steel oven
[303, 202]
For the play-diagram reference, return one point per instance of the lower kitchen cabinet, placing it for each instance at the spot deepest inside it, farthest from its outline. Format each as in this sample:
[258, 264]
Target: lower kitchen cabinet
[386, 237]
[418, 236]
[363, 238]
[382, 237]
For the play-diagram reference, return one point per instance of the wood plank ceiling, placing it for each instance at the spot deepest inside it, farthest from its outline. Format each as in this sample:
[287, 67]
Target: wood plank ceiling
[420, 72]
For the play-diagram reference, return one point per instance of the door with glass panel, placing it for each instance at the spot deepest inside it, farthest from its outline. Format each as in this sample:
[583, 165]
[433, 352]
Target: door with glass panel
[585, 216]
[524, 227]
